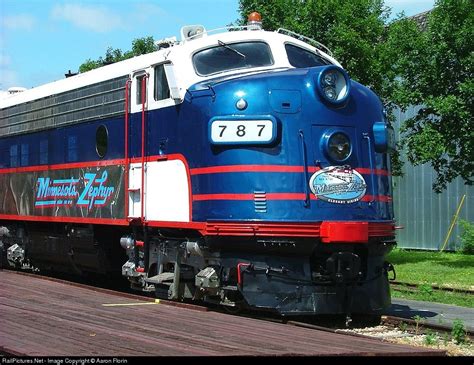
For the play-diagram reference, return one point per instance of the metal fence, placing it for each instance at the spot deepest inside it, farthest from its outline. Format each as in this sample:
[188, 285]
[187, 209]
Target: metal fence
[425, 215]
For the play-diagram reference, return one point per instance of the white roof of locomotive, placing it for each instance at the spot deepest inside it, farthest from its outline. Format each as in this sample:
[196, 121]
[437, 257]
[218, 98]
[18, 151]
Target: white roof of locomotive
[180, 55]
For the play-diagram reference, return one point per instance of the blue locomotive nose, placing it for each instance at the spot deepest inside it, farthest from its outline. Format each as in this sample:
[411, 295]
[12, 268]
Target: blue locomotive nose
[300, 139]
[298, 154]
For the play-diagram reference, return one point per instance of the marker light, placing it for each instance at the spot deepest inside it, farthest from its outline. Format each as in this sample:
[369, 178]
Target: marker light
[339, 147]
[254, 21]
[330, 92]
[384, 137]
[241, 104]
[336, 145]
[334, 85]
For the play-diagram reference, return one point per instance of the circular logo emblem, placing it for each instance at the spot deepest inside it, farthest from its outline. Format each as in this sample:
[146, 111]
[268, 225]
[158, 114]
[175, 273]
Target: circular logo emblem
[338, 184]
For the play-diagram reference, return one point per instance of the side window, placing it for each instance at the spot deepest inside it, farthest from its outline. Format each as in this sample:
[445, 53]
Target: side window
[162, 90]
[25, 152]
[72, 148]
[140, 89]
[43, 155]
[301, 58]
[14, 155]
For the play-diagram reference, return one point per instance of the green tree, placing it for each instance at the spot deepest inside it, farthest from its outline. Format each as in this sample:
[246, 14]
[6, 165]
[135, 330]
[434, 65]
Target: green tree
[143, 45]
[139, 46]
[436, 71]
[403, 65]
[351, 29]
[90, 65]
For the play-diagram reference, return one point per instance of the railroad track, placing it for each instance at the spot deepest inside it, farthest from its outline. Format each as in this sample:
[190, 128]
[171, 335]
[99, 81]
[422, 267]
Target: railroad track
[411, 326]
[415, 287]
[419, 326]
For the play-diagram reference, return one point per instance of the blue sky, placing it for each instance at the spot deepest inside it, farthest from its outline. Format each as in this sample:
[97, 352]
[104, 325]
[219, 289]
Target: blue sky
[40, 40]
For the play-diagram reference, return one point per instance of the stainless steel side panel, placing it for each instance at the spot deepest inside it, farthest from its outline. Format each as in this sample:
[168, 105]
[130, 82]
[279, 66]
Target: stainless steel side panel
[90, 192]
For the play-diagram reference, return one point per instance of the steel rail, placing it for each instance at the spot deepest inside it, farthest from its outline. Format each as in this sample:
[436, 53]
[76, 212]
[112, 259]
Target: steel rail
[434, 287]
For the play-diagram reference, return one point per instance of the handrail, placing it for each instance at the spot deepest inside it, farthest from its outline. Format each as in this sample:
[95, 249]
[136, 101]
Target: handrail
[127, 162]
[232, 28]
[301, 37]
[318, 45]
[305, 164]
[372, 175]
[142, 192]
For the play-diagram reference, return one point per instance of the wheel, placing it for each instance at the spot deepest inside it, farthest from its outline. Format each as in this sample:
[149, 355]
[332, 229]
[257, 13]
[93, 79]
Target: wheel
[234, 309]
[365, 319]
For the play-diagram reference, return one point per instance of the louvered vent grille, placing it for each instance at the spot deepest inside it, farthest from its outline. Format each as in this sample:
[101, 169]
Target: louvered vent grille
[260, 201]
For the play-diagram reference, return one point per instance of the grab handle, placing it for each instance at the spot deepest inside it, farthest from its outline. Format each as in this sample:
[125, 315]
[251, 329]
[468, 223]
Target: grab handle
[372, 175]
[305, 166]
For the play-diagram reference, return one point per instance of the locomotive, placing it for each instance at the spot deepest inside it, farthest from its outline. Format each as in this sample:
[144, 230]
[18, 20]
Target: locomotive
[239, 167]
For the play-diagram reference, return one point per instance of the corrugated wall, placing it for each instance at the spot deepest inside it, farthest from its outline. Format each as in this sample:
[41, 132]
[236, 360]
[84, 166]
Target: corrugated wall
[425, 215]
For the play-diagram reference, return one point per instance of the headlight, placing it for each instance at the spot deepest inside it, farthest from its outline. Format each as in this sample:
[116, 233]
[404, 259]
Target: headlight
[330, 78]
[331, 93]
[334, 85]
[337, 146]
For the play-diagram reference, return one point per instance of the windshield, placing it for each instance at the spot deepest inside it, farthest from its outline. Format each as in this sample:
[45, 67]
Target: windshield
[230, 56]
[302, 58]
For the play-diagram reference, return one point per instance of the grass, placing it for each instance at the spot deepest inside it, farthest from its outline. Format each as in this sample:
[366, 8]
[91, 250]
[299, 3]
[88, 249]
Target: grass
[428, 269]
[452, 298]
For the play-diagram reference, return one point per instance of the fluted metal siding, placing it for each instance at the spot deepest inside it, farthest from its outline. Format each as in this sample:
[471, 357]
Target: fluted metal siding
[425, 215]
[92, 102]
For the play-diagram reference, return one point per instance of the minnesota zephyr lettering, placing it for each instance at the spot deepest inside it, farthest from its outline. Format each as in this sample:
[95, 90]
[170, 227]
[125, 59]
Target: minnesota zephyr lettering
[93, 192]
[338, 185]
[339, 188]
[56, 188]
[62, 192]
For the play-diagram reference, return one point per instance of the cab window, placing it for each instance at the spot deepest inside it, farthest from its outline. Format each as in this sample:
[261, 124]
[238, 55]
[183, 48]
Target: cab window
[231, 56]
[301, 58]
[162, 90]
[139, 92]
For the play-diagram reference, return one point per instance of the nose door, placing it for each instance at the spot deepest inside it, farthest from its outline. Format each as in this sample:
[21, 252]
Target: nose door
[340, 179]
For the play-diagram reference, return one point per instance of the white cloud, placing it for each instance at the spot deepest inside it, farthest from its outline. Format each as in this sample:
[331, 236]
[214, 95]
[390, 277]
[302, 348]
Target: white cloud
[148, 16]
[8, 78]
[144, 11]
[5, 60]
[18, 22]
[94, 18]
